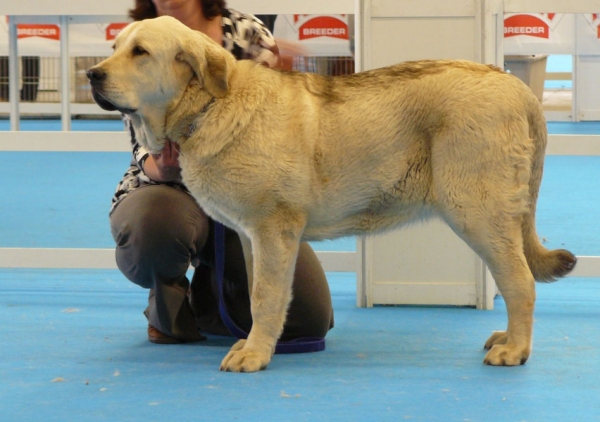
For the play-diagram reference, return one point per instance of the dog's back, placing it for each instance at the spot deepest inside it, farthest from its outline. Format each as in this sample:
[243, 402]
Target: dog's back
[372, 145]
[390, 145]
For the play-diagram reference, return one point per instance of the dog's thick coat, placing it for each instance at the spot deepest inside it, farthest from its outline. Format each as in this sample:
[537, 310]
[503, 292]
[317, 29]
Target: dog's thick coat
[286, 156]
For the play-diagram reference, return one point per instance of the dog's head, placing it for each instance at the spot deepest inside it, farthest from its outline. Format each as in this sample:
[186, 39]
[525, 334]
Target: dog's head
[153, 63]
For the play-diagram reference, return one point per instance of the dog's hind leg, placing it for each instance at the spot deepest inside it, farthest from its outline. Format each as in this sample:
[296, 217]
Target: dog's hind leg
[485, 183]
[274, 250]
[500, 245]
[486, 208]
[517, 285]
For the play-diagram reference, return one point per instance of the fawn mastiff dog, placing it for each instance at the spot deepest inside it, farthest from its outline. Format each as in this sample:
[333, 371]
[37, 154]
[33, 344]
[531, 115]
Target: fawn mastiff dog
[286, 156]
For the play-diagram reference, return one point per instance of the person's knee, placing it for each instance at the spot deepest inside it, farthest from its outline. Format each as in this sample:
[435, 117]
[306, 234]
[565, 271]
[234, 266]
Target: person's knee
[155, 235]
[311, 312]
[306, 319]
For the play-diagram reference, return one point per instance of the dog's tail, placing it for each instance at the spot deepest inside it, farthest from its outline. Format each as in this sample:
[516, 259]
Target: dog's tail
[545, 265]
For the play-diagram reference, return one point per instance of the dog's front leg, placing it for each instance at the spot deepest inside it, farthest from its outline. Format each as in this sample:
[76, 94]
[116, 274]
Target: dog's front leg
[248, 258]
[274, 253]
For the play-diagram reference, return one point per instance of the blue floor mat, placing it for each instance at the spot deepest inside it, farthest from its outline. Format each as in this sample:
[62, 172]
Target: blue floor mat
[75, 349]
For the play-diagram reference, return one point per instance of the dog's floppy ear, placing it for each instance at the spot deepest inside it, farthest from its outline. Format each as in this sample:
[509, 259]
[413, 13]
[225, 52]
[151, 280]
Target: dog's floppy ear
[210, 63]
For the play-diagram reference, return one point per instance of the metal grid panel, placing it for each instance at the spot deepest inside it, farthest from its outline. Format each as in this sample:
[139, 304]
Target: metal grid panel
[40, 76]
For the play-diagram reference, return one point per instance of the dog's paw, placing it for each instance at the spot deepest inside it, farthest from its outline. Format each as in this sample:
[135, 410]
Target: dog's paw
[243, 359]
[497, 337]
[504, 355]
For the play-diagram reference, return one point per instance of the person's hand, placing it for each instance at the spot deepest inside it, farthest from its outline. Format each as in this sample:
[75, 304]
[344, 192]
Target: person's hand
[287, 51]
[164, 166]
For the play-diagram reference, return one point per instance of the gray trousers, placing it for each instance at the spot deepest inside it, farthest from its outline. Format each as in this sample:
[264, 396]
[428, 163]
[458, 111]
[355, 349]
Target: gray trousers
[159, 231]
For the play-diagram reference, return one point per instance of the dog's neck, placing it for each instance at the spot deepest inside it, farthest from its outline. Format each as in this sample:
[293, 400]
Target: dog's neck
[181, 117]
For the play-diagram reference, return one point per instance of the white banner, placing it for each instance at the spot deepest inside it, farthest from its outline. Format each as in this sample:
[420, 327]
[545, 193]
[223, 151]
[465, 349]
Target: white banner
[588, 34]
[551, 33]
[44, 39]
[319, 35]
[329, 35]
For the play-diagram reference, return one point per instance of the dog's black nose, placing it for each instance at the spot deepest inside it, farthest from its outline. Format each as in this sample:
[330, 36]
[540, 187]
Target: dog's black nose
[96, 74]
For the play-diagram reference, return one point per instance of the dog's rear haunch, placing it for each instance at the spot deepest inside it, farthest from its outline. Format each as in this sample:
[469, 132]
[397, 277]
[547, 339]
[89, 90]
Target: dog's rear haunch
[286, 156]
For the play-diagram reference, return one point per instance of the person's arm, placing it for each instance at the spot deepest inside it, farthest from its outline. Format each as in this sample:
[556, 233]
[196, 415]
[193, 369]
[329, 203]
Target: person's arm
[287, 51]
[164, 166]
[271, 52]
[263, 47]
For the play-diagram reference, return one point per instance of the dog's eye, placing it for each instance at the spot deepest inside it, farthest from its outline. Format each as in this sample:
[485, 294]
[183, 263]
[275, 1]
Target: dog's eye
[139, 51]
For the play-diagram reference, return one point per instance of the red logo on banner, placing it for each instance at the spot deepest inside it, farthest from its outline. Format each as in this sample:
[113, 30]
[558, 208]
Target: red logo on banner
[527, 25]
[113, 29]
[323, 26]
[51, 32]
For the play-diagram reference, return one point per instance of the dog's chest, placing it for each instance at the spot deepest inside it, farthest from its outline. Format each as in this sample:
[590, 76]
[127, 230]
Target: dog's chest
[201, 179]
[213, 186]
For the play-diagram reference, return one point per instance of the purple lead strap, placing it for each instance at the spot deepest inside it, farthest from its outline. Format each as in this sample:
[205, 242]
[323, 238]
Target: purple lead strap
[299, 345]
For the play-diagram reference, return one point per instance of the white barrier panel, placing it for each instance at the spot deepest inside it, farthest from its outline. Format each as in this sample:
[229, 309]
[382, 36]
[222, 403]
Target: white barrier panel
[65, 141]
[119, 142]
[550, 6]
[104, 258]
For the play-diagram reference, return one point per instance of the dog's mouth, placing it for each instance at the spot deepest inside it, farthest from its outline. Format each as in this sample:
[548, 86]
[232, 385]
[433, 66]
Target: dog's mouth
[106, 104]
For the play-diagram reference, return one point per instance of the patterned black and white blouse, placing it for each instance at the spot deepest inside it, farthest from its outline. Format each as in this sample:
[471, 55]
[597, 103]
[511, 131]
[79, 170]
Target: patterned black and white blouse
[246, 38]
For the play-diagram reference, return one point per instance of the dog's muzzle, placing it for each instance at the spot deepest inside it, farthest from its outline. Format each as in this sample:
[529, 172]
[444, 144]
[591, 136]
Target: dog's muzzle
[97, 77]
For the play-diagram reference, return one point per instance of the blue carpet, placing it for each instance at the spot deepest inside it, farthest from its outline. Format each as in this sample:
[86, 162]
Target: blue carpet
[75, 349]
